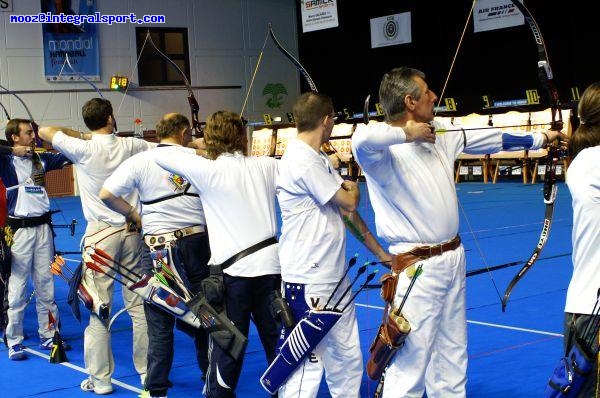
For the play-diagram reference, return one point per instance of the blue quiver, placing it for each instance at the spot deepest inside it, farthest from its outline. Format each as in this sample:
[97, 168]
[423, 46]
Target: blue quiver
[570, 374]
[301, 341]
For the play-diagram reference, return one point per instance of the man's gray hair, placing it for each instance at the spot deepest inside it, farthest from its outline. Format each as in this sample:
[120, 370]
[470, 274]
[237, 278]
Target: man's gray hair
[395, 86]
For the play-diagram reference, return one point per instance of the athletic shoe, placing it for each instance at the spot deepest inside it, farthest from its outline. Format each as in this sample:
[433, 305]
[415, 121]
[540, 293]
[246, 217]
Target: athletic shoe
[46, 344]
[146, 394]
[17, 353]
[87, 385]
[98, 387]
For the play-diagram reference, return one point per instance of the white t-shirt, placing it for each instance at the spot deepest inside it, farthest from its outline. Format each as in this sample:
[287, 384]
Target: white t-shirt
[152, 183]
[411, 185]
[313, 237]
[94, 161]
[583, 180]
[238, 196]
[32, 200]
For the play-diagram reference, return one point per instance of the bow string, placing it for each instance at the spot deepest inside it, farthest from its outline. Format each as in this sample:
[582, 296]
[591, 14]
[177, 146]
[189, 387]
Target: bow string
[463, 211]
[546, 78]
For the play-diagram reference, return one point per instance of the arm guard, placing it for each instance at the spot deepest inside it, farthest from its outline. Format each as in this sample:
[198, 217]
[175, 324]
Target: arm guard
[511, 142]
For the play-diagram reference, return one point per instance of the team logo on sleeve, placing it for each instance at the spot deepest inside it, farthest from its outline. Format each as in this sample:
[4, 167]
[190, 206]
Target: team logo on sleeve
[176, 182]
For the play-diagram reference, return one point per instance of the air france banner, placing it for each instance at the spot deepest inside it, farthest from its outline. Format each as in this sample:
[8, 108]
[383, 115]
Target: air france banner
[391, 30]
[496, 14]
[318, 14]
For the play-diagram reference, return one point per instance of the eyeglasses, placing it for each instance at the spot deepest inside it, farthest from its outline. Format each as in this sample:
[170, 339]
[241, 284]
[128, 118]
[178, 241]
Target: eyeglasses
[333, 116]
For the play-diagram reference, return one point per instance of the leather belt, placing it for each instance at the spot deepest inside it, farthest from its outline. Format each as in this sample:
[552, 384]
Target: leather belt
[404, 260]
[161, 239]
[28, 222]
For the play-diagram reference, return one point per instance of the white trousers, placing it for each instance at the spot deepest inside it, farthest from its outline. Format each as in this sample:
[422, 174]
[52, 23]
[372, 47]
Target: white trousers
[125, 247]
[338, 354]
[32, 253]
[434, 357]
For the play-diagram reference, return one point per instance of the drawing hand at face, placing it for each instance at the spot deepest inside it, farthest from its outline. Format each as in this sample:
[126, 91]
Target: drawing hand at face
[419, 132]
[22, 151]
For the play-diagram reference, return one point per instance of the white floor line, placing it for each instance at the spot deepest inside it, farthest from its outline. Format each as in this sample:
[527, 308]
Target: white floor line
[514, 226]
[82, 370]
[494, 325]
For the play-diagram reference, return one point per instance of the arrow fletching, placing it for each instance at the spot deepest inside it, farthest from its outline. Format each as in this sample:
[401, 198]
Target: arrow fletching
[94, 267]
[353, 260]
[100, 260]
[161, 278]
[102, 253]
[59, 260]
[55, 269]
[371, 276]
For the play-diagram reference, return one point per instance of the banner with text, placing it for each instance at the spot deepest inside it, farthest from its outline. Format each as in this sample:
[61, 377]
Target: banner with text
[80, 42]
[318, 14]
[6, 5]
[391, 30]
[496, 14]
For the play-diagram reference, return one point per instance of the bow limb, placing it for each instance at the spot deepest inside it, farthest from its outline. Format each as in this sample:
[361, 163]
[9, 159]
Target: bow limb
[34, 125]
[550, 189]
[366, 109]
[82, 77]
[288, 55]
[88, 81]
[301, 69]
[5, 111]
[194, 107]
[545, 74]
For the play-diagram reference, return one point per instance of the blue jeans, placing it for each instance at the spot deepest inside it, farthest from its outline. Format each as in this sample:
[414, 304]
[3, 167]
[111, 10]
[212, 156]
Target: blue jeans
[190, 257]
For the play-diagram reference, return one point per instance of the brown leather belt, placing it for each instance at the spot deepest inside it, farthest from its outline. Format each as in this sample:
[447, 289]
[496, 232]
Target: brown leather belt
[404, 260]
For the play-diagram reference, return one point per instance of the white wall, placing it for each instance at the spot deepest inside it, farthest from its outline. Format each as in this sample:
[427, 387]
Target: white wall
[225, 38]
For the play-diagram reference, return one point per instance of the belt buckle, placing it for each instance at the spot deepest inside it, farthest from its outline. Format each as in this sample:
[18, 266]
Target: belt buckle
[432, 248]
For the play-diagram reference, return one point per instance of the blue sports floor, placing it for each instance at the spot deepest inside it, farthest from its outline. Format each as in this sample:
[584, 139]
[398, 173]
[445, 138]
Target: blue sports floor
[511, 354]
